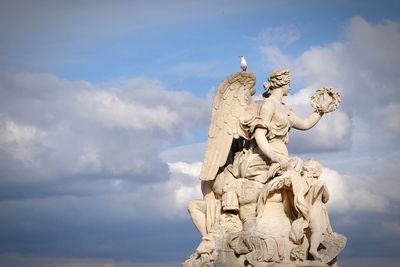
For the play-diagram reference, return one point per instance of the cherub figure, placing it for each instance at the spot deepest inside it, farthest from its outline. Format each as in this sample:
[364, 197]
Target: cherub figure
[316, 196]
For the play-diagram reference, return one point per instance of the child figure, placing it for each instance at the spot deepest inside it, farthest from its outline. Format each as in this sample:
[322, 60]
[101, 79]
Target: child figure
[316, 196]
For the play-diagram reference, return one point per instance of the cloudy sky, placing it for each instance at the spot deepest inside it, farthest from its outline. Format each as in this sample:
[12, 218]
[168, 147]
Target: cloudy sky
[105, 105]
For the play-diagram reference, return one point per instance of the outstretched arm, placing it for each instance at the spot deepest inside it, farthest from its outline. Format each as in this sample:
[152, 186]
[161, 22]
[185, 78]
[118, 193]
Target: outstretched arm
[306, 123]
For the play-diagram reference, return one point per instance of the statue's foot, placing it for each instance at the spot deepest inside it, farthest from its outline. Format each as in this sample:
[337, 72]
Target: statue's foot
[315, 255]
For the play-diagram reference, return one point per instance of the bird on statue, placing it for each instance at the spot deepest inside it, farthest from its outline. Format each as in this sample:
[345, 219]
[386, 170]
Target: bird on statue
[243, 63]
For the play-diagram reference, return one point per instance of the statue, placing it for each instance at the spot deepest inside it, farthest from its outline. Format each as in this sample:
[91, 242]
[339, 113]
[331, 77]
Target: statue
[317, 195]
[262, 207]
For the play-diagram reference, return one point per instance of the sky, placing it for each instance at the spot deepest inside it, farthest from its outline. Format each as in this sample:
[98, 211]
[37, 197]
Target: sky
[105, 106]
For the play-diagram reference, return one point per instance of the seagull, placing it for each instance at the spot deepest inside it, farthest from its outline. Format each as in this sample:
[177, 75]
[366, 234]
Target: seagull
[243, 63]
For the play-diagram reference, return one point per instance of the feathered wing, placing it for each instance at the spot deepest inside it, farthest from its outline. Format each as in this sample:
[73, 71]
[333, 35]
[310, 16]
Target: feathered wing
[231, 101]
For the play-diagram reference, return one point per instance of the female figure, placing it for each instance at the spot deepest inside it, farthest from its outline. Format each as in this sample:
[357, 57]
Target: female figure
[268, 155]
[276, 119]
[271, 132]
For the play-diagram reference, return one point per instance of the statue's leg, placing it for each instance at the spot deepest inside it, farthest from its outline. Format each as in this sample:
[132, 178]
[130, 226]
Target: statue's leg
[316, 227]
[197, 209]
[315, 240]
[248, 196]
[248, 214]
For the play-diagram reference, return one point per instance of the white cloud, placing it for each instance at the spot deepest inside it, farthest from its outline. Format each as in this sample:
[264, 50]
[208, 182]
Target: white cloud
[73, 128]
[192, 111]
[192, 169]
[111, 110]
[93, 167]
[184, 186]
[345, 197]
[13, 132]
[320, 66]
[21, 141]
[123, 200]
[338, 191]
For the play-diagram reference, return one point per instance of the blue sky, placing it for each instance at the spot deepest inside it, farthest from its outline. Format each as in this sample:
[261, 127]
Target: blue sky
[104, 110]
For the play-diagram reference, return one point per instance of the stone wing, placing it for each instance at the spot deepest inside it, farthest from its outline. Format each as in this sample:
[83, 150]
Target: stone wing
[231, 102]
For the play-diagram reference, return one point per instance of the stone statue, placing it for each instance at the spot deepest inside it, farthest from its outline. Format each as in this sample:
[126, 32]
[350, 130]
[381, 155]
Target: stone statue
[262, 207]
[317, 195]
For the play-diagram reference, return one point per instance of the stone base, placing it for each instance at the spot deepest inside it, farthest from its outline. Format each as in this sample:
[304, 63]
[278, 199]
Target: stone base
[218, 253]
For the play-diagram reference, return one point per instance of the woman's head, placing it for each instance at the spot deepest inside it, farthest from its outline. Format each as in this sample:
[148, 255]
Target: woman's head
[277, 79]
[313, 168]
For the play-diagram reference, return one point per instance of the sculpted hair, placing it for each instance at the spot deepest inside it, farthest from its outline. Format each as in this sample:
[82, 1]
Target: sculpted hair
[277, 79]
[312, 166]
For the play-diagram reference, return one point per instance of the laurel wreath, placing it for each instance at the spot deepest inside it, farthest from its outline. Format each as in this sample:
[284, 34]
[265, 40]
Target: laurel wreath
[326, 99]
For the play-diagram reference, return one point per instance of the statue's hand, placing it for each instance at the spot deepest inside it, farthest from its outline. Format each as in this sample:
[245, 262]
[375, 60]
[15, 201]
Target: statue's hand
[283, 162]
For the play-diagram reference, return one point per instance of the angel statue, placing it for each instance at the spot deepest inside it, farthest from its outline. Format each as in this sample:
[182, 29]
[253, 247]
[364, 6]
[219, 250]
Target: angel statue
[256, 207]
